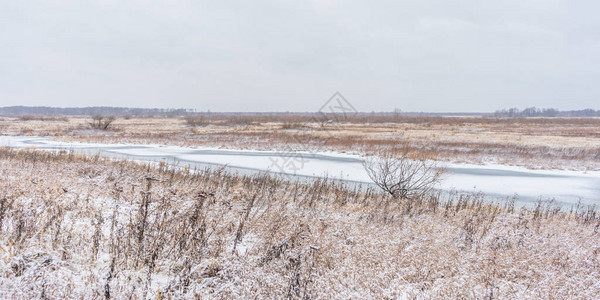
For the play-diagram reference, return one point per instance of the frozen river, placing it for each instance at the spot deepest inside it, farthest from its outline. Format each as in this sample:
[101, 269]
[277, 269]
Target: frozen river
[497, 182]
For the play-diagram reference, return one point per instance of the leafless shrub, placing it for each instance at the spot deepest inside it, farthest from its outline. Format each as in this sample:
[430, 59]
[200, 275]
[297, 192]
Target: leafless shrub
[403, 175]
[101, 122]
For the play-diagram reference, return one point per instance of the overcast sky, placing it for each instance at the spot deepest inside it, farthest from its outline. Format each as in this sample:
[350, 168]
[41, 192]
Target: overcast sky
[460, 55]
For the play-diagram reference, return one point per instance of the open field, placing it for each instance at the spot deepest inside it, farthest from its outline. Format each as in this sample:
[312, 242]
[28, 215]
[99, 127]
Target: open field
[547, 143]
[87, 227]
[75, 226]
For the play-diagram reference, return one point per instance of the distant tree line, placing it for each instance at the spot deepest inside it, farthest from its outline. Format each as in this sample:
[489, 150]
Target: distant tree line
[128, 111]
[91, 111]
[545, 112]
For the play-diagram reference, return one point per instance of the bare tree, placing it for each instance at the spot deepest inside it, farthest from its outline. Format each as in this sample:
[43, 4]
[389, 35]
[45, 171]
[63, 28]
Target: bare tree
[403, 176]
[101, 122]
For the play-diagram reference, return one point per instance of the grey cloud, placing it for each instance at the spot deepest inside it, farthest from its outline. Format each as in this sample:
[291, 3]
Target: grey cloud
[292, 55]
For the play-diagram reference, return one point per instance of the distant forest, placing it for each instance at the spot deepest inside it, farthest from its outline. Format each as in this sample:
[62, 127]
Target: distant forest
[128, 111]
[545, 112]
[90, 111]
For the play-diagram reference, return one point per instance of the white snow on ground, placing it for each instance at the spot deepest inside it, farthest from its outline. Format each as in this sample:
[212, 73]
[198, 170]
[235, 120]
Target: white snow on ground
[496, 181]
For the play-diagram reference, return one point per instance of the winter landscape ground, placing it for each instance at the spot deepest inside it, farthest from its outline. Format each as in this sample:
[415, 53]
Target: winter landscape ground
[92, 226]
[536, 143]
[88, 227]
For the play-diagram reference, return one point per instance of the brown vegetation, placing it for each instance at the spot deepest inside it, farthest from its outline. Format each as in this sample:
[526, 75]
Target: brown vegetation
[89, 227]
[572, 143]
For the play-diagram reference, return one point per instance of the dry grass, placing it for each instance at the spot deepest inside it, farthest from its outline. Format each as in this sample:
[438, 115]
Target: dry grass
[88, 227]
[563, 143]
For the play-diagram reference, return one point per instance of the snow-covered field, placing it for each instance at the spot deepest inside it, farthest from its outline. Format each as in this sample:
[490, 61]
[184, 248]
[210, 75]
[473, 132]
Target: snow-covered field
[86, 227]
[497, 182]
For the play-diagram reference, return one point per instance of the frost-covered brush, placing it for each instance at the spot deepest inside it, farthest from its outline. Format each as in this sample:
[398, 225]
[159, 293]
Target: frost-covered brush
[403, 175]
[71, 228]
